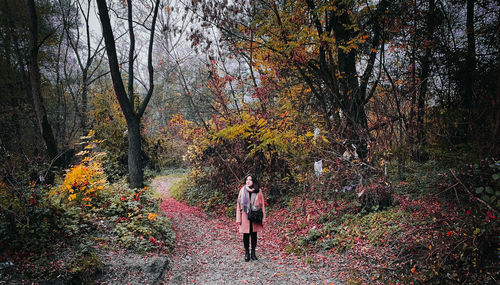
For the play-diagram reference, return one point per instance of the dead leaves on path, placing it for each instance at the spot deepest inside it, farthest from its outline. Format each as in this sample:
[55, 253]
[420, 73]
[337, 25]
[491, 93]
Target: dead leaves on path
[209, 249]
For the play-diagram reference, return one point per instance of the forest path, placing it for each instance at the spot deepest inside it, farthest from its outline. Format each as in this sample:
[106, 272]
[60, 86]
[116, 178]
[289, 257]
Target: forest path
[209, 250]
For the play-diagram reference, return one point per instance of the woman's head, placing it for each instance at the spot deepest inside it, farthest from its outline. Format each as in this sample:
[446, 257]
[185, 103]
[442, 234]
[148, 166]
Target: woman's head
[251, 181]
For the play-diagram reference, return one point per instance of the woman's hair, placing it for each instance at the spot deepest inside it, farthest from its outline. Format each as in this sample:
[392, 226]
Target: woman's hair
[255, 182]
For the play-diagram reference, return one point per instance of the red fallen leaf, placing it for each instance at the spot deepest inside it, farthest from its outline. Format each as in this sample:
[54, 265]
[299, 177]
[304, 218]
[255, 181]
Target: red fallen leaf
[490, 214]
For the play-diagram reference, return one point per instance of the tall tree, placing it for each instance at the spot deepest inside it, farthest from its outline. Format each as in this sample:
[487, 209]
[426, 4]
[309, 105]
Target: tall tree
[495, 141]
[35, 82]
[80, 40]
[321, 42]
[470, 64]
[127, 100]
[425, 77]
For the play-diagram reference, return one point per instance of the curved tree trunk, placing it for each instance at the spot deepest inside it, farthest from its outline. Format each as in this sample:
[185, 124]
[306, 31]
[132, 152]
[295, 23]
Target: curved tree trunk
[125, 100]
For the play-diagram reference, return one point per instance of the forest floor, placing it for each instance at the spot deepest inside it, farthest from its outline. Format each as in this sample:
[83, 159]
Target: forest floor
[209, 250]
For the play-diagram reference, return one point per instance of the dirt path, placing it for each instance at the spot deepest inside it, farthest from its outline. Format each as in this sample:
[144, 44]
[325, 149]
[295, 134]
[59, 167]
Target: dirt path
[210, 251]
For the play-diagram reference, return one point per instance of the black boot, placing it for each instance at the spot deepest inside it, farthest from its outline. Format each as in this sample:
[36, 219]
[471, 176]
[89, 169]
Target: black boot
[246, 244]
[253, 254]
[254, 245]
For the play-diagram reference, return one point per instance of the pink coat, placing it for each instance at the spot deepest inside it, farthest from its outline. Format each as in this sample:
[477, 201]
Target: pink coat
[242, 217]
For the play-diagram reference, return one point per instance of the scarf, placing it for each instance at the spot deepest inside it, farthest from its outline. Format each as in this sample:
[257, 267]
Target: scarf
[247, 201]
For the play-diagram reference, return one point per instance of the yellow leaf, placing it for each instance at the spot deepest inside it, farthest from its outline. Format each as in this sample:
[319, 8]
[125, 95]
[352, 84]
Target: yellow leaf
[261, 122]
[83, 152]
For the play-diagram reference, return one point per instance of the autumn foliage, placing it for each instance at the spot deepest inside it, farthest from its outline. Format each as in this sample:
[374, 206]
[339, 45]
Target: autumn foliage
[84, 182]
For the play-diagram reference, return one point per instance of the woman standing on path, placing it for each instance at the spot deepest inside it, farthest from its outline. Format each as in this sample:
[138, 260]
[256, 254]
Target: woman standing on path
[250, 199]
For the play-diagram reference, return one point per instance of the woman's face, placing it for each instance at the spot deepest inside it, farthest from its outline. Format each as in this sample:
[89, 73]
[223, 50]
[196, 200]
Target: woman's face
[249, 181]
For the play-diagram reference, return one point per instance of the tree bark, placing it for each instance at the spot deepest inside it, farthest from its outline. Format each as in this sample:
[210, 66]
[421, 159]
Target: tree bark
[84, 109]
[134, 152]
[35, 82]
[131, 54]
[495, 141]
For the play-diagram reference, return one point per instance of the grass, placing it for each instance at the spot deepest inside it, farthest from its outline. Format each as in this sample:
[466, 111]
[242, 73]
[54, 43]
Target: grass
[179, 187]
[175, 172]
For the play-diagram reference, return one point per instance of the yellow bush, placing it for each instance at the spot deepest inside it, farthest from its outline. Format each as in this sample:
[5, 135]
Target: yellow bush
[84, 182]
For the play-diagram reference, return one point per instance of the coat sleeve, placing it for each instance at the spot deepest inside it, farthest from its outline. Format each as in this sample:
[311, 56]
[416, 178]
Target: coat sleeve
[238, 209]
[263, 205]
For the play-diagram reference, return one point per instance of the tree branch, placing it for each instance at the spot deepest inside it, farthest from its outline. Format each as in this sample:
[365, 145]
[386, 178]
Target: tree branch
[150, 62]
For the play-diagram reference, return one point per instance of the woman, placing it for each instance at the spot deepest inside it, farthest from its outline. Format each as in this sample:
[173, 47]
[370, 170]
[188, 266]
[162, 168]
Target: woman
[250, 198]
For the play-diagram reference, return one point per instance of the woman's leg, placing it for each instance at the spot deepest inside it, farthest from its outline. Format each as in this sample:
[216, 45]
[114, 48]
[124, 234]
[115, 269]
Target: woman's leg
[246, 241]
[254, 245]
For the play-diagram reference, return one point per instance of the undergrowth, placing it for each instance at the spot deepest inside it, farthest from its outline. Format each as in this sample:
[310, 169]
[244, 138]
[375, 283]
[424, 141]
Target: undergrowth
[442, 227]
[38, 222]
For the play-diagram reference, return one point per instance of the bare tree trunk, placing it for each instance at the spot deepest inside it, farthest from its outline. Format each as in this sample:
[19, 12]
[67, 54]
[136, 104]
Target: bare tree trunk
[424, 77]
[84, 108]
[471, 70]
[411, 136]
[84, 9]
[495, 141]
[126, 102]
[135, 167]
[34, 74]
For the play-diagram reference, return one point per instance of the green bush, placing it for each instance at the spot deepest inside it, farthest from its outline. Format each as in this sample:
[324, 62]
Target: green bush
[31, 220]
[137, 224]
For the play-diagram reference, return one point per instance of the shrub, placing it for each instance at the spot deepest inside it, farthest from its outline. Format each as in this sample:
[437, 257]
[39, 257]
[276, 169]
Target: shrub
[28, 218]
[135, 219]
[84, 182]
[376, 196]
